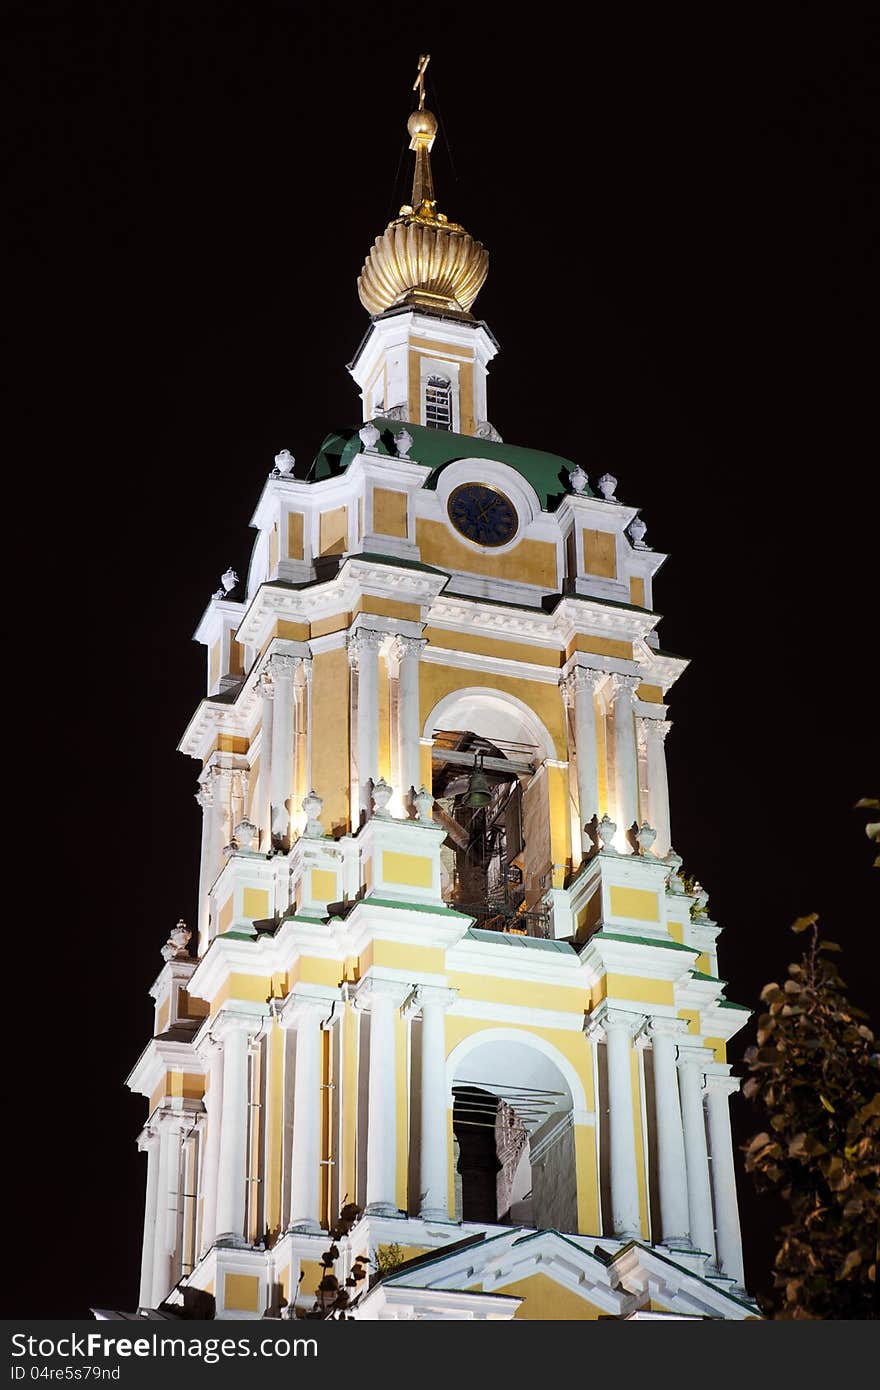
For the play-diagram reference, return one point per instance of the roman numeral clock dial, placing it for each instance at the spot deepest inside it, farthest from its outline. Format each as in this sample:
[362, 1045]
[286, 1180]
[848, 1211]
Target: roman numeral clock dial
[483, 514]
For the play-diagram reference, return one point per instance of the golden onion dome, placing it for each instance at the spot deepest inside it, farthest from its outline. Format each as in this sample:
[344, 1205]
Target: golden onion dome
[422, 258]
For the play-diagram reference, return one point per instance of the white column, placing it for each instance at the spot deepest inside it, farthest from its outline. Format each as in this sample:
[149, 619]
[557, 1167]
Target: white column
[626, 775]
[655, 731]
[283, 669]
[619, 1031]
[149, 1143]
[363, 654]
[692, 1065]
[383, 998]
[264, 812]
[580, 685]
[306, 1014]
[433, 1138]
[232, 1160]
[306, 783]
[407, 651]
[166, 1208]
[730, 1260]
[674, 1216]
[207, 873]
[211, 1156]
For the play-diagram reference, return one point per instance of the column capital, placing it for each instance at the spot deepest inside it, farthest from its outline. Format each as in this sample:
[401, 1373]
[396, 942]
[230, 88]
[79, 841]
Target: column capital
[205, 794]
[654, 728]
[695, 1058]
[227, 1023]
[309, 1003]
[431, 996]
[667, 1027]
[282, 667]
[362, 640]
[365, 993]
[583, 678]
[267, 688]
[624, 687]
[306, 669]
[717, 1083]
[604, 1020]
[400, 646]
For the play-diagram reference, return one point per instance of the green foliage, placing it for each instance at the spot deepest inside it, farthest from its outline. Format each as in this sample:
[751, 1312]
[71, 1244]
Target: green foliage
[333, 1298]
[388, 1257]
[816, 1070]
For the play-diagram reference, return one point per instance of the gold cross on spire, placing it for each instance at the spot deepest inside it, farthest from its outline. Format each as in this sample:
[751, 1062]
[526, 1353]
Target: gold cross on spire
[424, 60]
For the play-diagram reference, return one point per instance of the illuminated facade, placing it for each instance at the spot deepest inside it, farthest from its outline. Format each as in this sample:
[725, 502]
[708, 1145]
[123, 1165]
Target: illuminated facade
[446, 965]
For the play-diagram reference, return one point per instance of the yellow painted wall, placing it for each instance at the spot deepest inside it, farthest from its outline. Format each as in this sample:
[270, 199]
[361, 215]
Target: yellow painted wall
[641, 1173]
[330, 767]
[637, 591]
[242, 1291]
[546, 1301]
[348, 1157]
[255, 903]
[635, 987]
[224, 917]
[651, 694]
[560, 824]
[324, 885]
[412, 870]
[587, 1172]
[395, 955]
[599, 646]
[295, 535]
[387, 608]
[693, 1019]
[334, 622]
[638, 903]
[333, 532]
[520, 993]
[389, 512]
[476, 643]
[531, 562]
[600, 553]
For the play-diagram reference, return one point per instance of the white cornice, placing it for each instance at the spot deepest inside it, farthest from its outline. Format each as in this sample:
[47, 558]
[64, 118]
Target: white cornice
[159, 1056]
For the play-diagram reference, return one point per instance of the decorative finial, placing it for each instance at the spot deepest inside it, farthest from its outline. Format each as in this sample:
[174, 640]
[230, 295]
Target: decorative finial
[403, 442]
[369, 435]
[228, 582]
[645, 837]
[425, 804]
[607, 830]
[313, 805]
[637, 531]
[607, 485]
[284, 462]
[382, 794]
[578, 480]
[422, 127]
[175, 947]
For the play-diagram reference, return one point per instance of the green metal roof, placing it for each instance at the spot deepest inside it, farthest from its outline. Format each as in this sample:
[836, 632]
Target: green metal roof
[436, 448]
[602, 935]
[533, 943]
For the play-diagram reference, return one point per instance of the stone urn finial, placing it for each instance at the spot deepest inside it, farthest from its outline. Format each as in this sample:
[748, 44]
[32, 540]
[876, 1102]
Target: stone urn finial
[245, 835]
[313, 805]
[369, 435]
[175, 947]
[382, 794]
[637, 531]
[645, 835]
[284, 462]
[229, 580]
[674, 882]
[606, 830]
[403, 442]
[578, 480]
[607, 485]
[424, 804]
[701, 901]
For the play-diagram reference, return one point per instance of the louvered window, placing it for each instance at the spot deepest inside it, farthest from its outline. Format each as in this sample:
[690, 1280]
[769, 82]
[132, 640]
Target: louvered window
[438, 403]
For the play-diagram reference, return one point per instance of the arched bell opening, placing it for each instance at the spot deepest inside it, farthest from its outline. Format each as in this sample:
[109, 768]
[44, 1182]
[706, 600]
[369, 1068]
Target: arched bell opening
[513, 1139]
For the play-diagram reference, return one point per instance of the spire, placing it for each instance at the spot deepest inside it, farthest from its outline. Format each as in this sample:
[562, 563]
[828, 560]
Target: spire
[422, 127]
[423, 258]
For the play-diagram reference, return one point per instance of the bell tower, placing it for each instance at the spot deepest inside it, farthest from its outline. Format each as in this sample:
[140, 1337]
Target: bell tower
[448, 968]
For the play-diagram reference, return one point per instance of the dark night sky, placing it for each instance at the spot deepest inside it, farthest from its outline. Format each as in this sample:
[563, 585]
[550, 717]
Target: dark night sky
[681, 211]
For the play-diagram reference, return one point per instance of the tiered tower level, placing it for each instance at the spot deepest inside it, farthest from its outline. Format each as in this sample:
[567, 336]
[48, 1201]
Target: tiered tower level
[447, 966]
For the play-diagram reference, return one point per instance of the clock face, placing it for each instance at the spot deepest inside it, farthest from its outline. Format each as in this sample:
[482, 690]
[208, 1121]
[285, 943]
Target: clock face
[483, 514]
